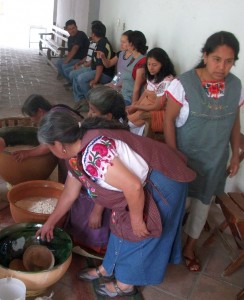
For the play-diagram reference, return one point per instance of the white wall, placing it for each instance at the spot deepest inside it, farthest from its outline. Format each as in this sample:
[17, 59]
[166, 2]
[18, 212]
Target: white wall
[181, 28]
[73, 9]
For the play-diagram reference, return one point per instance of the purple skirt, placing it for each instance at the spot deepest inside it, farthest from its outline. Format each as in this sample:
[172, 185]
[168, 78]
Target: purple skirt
[77, 224]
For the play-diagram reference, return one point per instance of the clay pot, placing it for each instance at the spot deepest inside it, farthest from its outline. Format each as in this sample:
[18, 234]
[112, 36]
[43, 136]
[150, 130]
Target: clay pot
[20, 131]
[32, 168]
[28, 189]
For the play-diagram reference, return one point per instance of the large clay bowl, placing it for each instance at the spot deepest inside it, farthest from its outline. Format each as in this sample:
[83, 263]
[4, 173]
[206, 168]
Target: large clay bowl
[20, 131]
[28, 189]
[32, 168]
[16, 238]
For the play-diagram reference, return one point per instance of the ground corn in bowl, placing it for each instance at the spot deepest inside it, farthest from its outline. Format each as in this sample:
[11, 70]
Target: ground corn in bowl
[34, 201]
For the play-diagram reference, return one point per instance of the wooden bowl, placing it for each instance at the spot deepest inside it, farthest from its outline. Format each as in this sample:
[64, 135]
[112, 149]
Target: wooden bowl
[28, 189]
[38, 258]
[15, 239]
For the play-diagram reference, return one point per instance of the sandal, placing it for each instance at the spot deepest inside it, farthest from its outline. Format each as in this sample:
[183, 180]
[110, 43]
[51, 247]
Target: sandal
[84, 275]
[103, 291]
[192, 264]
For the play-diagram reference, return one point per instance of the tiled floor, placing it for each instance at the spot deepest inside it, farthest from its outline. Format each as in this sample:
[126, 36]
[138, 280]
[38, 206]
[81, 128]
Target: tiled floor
[23, 72]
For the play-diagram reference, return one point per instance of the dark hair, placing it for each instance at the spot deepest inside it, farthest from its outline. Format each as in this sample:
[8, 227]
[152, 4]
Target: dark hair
[127, 33]
[219, 39]
[108, 100]
[96, 21]
[138, 40]
[167, 67]
[64, 127]
[33, 103]
[70, 22]
[99, 29]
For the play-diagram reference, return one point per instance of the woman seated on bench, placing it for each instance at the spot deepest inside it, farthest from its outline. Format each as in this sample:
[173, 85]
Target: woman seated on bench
[159, 73]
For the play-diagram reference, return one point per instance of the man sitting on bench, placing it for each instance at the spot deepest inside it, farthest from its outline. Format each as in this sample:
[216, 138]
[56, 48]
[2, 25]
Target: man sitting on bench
[97, 72]
[78, 44]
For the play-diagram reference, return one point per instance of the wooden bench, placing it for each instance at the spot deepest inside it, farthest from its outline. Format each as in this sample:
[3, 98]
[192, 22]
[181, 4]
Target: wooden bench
[240, 295]
[53, 44]
[232, 205]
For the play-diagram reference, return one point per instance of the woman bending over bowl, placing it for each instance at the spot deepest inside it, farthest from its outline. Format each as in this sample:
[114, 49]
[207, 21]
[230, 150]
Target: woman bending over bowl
[144, 182]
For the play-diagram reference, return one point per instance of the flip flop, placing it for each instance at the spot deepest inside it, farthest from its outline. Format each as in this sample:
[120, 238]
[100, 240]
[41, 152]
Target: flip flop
[103, 291]
[192, 264]
[84, 275]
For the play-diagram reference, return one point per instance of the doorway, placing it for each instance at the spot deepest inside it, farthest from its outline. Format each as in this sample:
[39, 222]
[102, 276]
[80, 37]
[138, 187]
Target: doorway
[21, 21]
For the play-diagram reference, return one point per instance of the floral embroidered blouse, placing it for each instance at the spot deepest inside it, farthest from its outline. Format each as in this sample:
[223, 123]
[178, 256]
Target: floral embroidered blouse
[99, 155]
[213, 89]
[161, 87]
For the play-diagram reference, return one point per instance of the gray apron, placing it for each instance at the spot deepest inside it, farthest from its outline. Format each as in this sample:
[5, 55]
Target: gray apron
[205, 136]
[128, 80]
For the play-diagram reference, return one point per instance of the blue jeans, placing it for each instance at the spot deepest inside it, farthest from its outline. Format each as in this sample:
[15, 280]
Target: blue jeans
[74, 73]
[74, 79]
[81, 83]
[127, 102]
[63, 68]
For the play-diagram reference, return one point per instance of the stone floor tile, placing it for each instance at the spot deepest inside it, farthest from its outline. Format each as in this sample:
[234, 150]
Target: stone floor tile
[178, 281]
[219, 259]
[212, 289]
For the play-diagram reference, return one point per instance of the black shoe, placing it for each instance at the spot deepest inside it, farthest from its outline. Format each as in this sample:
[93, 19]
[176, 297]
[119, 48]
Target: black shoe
[78, 105]
[60, 76]
[84, 107]
[67, 84]
[102, 290]
[84, 275]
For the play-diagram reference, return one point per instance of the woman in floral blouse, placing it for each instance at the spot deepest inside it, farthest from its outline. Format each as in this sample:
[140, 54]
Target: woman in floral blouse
[202, 118]
[143, 181]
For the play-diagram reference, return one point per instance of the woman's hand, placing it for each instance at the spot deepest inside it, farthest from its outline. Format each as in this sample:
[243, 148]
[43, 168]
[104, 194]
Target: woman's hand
[95, 220]
[92, 83]
[234, 166]
[20, 155]
[120, 177]
[131, 109]
[100, 54]
[77, 66]
[46, 232]
[139, 228]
